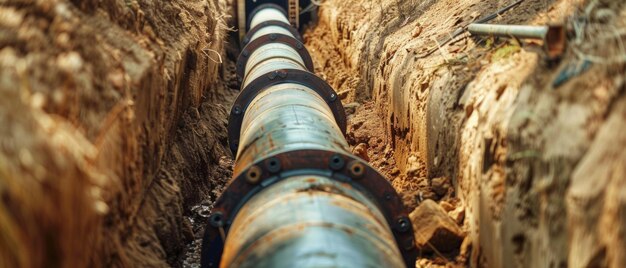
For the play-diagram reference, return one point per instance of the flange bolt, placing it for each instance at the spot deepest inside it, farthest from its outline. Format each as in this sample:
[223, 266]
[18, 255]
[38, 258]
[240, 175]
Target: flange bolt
[357, 169]
[253, 175]
[273, 165]
[403, 224]
[336, 162]
[216, 219]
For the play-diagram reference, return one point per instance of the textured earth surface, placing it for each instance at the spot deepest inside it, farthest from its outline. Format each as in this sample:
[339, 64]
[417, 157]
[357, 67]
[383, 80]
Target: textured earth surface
[487, 125]
[113, 118]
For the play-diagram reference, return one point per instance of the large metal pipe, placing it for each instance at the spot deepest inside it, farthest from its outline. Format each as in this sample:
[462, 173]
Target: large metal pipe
[310, 221]
[299, 198]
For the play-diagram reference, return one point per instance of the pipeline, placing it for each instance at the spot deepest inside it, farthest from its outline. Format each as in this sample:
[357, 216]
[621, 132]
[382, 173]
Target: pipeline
[298, 197]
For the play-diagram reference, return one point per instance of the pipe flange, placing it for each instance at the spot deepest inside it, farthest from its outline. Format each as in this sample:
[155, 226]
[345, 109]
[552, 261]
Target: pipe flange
[294, 43]
[313, 162]
[278, 23]
[295, 76]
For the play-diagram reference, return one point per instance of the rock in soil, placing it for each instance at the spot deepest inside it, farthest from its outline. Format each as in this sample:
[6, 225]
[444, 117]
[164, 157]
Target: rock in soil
[439, 185]
[351, 107]
[446, 206]
[361, 151]
[435, 229]
[458, 214]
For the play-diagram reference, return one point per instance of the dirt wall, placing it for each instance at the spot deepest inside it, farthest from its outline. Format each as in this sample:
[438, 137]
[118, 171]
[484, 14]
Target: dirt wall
[534, 163]
[92, 96]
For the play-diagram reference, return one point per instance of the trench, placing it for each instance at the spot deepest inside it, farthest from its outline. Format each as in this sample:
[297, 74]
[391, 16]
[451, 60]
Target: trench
[461, 127]
[366, 137]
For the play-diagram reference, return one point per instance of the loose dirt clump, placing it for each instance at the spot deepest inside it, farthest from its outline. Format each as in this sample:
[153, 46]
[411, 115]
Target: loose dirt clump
[437, 232]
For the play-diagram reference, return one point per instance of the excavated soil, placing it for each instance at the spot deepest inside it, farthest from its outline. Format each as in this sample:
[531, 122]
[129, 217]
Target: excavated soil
[113, 116]
[487, 126]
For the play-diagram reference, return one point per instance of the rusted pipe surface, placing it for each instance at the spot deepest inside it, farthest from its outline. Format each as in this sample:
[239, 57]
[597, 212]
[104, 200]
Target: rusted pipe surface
[310, 221]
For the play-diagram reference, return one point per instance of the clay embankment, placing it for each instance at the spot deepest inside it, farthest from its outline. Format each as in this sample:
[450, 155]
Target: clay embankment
[480, 126]
[112, 121]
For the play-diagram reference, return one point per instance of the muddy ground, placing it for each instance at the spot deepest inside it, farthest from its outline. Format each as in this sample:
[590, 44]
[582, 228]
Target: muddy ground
[114, 112]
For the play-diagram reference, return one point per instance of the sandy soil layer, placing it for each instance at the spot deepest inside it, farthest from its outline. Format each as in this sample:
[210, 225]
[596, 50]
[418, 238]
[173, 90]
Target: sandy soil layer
[529, 161]
[93, 96]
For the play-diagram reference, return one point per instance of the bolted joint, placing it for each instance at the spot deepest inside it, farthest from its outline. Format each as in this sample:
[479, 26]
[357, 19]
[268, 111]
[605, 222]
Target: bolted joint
[356, 169]
[336, 162]
[216, 220]
[333, 97]
[237, 110]
[253, 176]
[403, 224]
[272, 75]
[273, 165]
